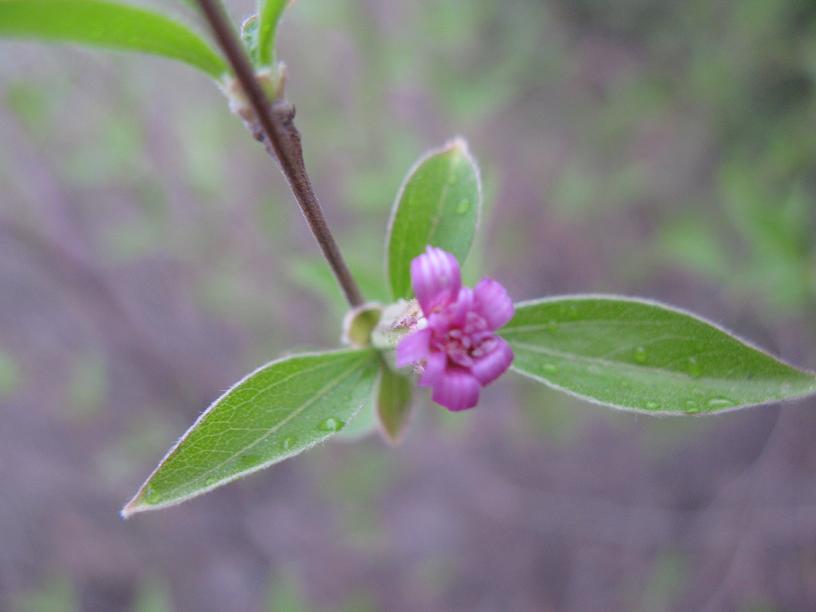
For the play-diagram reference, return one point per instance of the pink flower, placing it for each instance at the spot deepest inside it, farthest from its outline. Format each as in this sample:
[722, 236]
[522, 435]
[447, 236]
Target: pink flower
[457, 347]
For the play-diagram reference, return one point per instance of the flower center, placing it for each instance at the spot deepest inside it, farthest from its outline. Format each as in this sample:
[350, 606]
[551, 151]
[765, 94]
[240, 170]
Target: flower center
[473, 340]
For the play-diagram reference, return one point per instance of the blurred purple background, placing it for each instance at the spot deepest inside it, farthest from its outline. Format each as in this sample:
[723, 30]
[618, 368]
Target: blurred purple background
[150, 255]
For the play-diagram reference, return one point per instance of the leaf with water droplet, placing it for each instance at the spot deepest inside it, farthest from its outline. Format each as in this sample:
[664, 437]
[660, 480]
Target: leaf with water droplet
[717, 403]
[439, 205]
[694, 368]
[644, 356]
[276, 412]
[331, 424]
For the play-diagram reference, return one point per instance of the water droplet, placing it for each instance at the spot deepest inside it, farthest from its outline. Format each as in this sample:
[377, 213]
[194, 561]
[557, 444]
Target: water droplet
[151, 496]
[550, 368]
[288, 442]
[552, 326]
[719, 402]
[694, 368]
[248, 461]
[691, 406]
[331, 424]
[652, 405]
[640, 355]
[210, 481]
[463, 207]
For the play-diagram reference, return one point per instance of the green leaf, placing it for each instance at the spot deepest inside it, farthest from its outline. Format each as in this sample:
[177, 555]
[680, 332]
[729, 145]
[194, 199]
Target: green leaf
[439, 205]
[640, 355]
[269, 14]
[393, 403]
[108, 24]
[278, 411]
[362, 425]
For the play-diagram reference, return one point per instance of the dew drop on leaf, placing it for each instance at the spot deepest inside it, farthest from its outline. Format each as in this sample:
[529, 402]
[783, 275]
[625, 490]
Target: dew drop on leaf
[288, 442]
[552, 326]
[550, 368]
[151, 496]
[462, 207]
[691, 406]
[695, 371]
[248, 461]
[652, 405]
[640, 355]
[331, 424]
[719, 402]
[210, 481]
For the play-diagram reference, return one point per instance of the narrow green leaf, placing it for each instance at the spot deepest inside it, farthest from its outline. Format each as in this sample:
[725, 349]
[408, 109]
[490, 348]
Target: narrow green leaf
[276, 412]
[439, 205]
[640, 355]
[269, 14]
[108, 24]
[393, 403]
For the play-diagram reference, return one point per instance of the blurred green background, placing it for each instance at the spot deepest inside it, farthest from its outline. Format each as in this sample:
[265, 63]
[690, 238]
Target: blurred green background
[150, 255]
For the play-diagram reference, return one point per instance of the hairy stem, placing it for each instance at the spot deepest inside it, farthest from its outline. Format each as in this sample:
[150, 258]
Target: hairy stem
[273, 125]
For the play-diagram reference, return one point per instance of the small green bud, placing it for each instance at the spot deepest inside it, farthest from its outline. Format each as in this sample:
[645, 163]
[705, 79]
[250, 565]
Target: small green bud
[359, 324]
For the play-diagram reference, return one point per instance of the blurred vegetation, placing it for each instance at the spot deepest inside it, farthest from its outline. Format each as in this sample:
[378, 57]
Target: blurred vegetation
[664, 149]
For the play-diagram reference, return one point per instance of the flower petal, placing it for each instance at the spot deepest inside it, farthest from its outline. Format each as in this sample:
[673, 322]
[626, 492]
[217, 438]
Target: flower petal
[494, 364]
[493, 303]
[434, 369]
[413, 347]
[435, 278]
[456, 389]
[458, 310]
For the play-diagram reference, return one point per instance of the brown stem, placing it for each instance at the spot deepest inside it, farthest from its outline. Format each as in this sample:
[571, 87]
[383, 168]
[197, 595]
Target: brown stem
[274, 126]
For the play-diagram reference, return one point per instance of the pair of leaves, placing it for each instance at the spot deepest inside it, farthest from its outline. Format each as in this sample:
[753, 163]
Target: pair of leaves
[119, 26]
[621, 352]
[289, 405]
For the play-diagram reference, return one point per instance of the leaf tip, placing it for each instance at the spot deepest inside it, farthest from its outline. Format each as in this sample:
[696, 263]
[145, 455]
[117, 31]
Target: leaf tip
[134, 506]
[458, 144]
[392, 438]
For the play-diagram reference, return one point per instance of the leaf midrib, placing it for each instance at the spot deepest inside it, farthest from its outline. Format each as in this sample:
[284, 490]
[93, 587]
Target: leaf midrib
[580, 359]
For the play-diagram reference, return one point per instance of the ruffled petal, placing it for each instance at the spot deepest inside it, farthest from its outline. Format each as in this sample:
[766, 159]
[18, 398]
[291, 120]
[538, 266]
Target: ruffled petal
[456, 313]
[435, 278]
[494, 364]
[439, 324]
[493, 303]
[456, 389]
[434, 369]
[413, 347]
